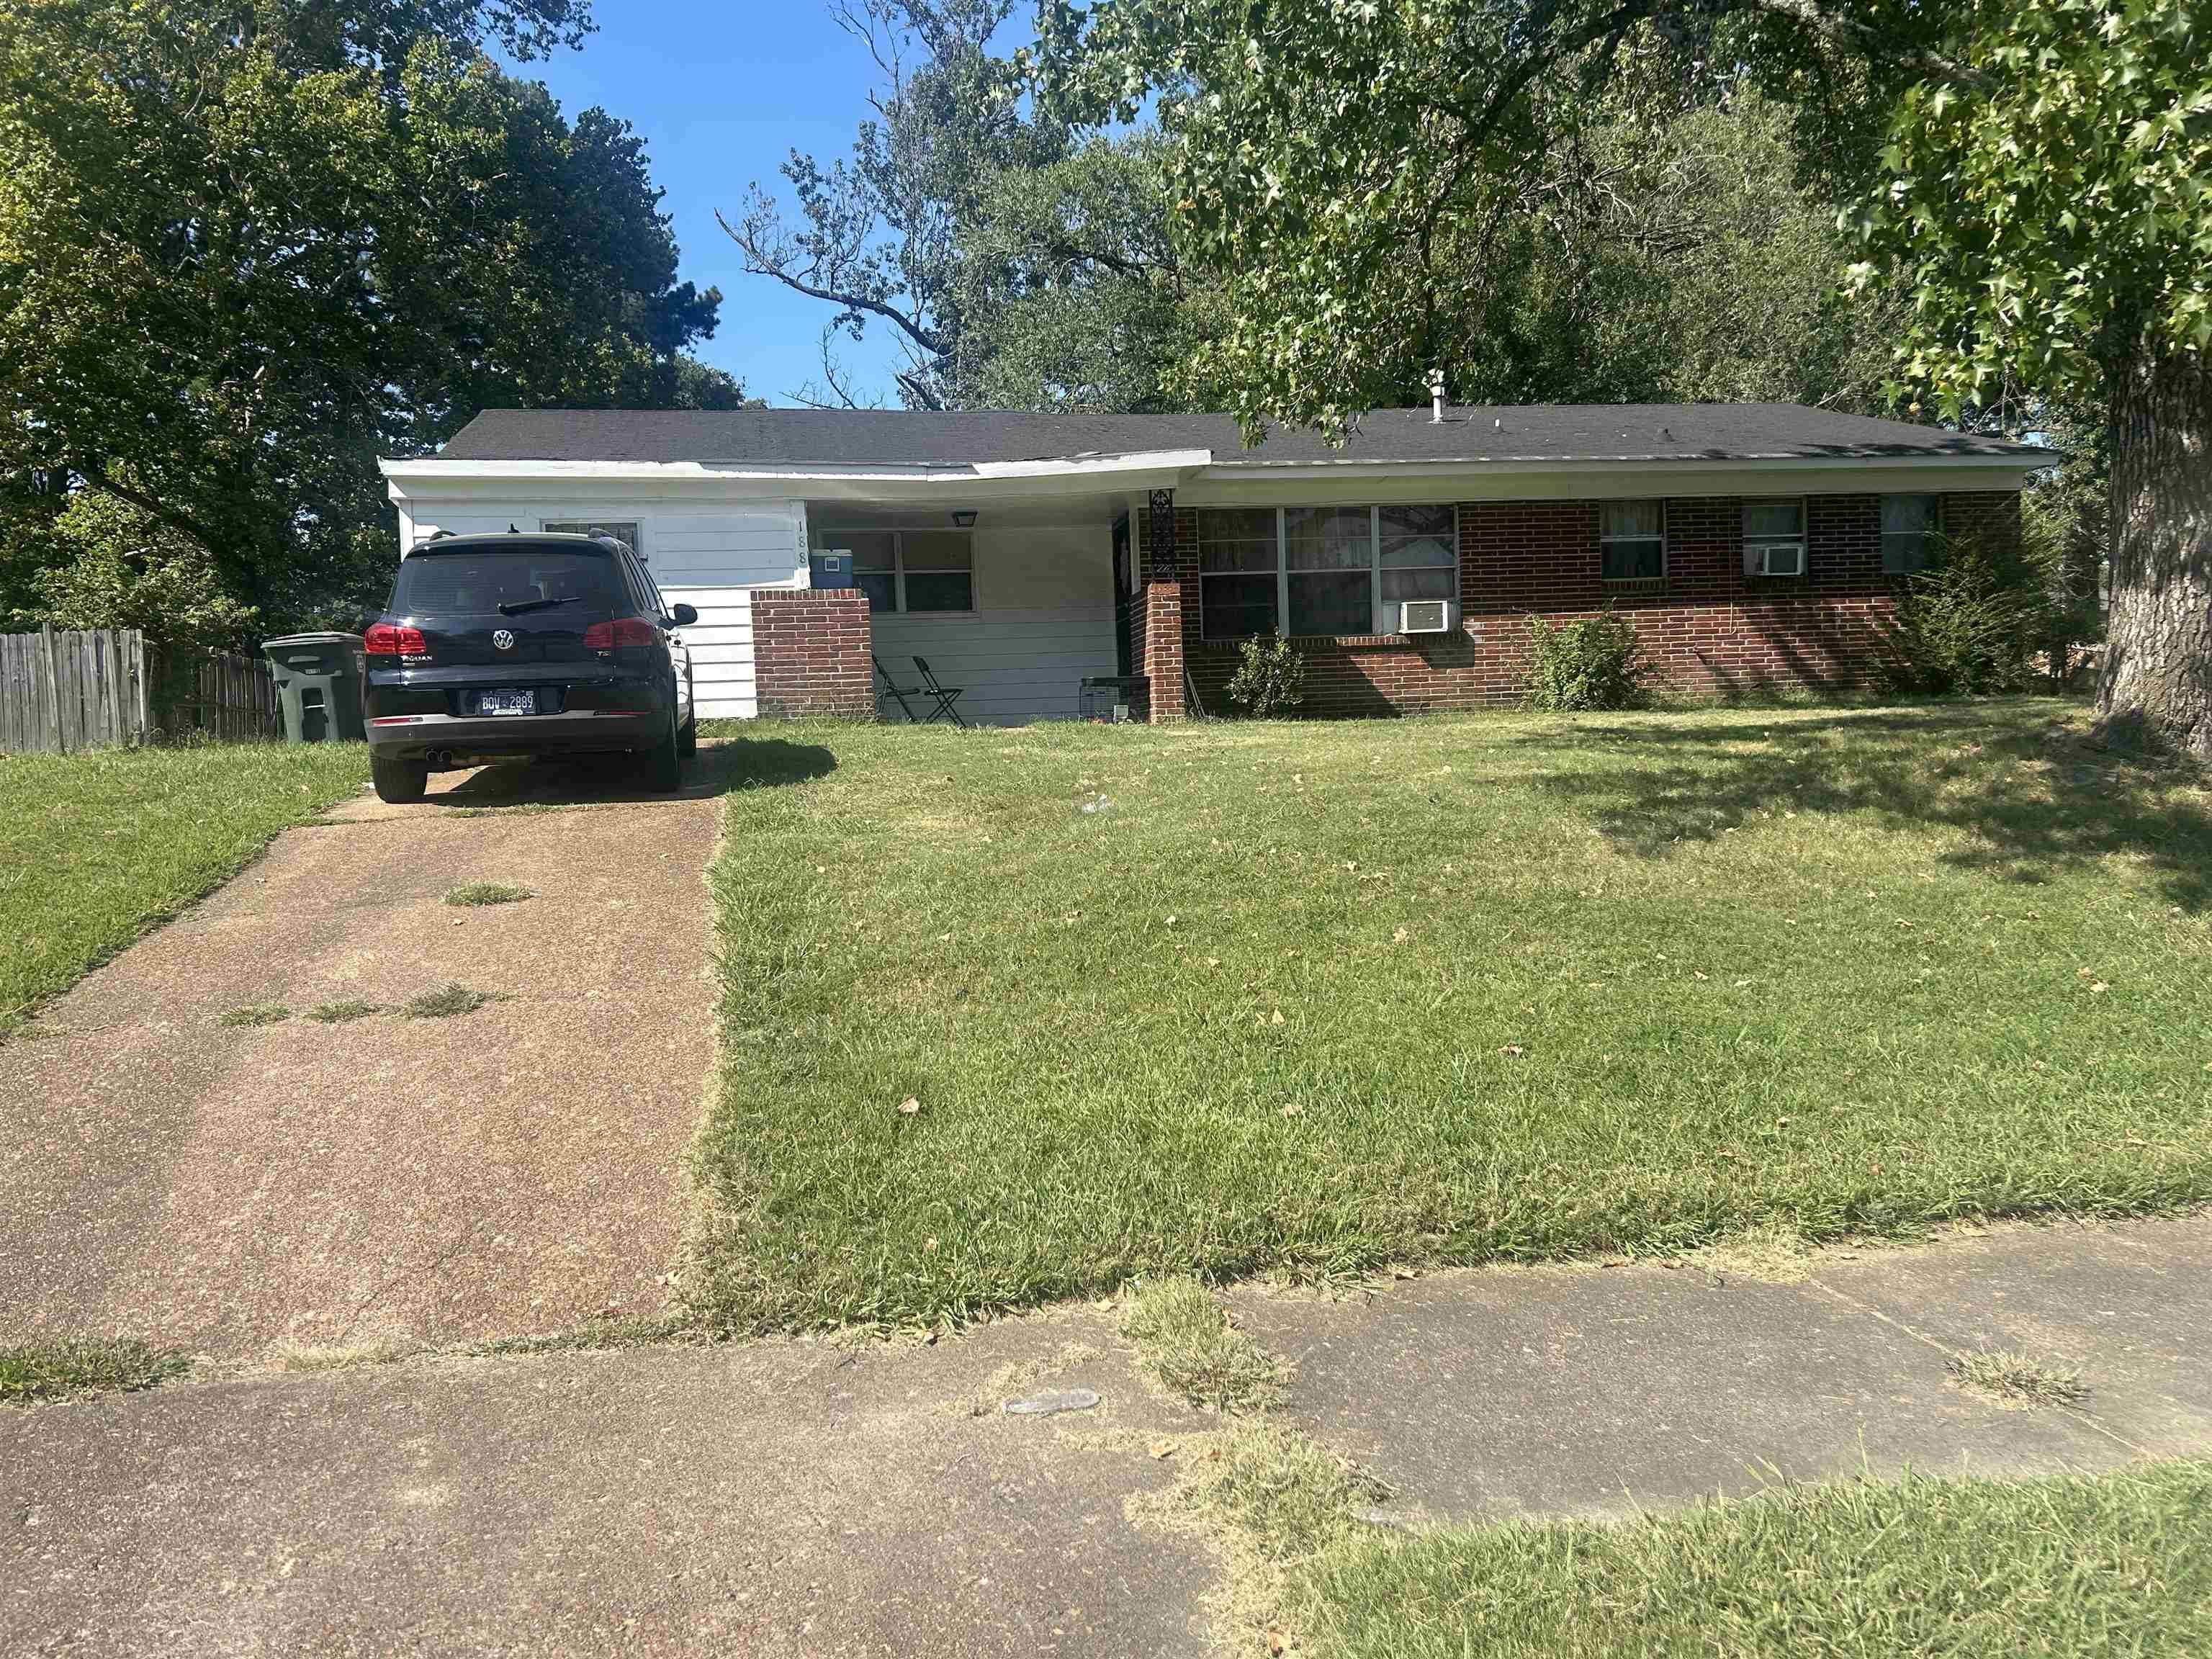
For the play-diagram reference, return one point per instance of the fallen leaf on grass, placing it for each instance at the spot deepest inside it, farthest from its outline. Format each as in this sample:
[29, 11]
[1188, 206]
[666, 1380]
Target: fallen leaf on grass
[1398, 938]
[909, 1106]
[1164, 1449]
[1278, 1018]
[1513, 1051]
[1293, 1109]
[1279, 1642]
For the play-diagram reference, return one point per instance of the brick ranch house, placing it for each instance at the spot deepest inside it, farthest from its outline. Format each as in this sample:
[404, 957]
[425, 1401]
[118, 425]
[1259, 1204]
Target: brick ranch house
[1754, 544]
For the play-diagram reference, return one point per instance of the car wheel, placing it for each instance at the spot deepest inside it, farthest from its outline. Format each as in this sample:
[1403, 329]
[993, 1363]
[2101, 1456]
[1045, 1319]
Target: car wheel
[399, 781]
[687, 740]
[664, 762]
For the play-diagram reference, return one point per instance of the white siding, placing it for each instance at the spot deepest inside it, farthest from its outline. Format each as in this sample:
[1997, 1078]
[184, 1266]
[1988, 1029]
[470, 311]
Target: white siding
[1044, 620]
[711, 559]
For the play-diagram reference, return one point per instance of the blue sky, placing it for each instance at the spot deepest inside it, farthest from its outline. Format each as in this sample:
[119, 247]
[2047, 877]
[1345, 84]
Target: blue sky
[722, 92]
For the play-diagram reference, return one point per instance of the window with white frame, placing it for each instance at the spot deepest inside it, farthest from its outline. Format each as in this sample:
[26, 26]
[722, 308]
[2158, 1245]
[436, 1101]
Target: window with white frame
[1909, 524]
[624, 531]
[1320, 570]
[1774, 536]
[913, 570]
[1631, 541]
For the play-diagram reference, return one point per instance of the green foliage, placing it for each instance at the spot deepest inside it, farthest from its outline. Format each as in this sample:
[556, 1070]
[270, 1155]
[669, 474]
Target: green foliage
[70, 1365]
[1270, 678]
[2047, 211]
[245, 249]
[1596, 663]
[1969, 624]
[1383, 188]
[115, 565]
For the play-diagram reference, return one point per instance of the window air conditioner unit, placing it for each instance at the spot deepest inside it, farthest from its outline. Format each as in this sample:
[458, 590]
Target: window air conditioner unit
[1424, 616]
[1781, 558]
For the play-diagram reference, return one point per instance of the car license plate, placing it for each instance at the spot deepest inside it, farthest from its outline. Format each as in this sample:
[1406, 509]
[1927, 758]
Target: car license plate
[507, 702]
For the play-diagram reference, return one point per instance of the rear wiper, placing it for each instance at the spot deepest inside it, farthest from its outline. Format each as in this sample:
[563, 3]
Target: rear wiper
[516, 607]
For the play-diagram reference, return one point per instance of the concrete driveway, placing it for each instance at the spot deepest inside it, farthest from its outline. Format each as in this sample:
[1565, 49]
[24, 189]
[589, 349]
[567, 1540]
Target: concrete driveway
[388, 1179]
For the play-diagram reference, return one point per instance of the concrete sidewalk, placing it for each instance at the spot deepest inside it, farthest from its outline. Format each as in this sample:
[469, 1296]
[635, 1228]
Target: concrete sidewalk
[781, 1497]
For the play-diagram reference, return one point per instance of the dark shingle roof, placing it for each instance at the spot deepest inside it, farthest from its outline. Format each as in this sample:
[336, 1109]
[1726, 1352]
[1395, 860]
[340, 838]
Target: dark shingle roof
[1530, 432]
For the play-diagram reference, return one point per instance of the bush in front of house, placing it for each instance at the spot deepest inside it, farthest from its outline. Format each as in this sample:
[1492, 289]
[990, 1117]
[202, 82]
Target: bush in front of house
[1970, 624]
[1270, 678]
[1596, 663]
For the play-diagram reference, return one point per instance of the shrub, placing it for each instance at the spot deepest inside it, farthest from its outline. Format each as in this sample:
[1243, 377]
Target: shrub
[1596, 663]
[1270, 679]
[1971, 623]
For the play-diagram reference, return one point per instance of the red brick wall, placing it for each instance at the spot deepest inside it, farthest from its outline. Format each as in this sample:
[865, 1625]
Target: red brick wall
[810, 653]
[1708, 627]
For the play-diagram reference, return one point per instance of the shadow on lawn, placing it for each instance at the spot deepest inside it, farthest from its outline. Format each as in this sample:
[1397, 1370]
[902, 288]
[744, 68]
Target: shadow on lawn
[722, 765]
[2035, 799]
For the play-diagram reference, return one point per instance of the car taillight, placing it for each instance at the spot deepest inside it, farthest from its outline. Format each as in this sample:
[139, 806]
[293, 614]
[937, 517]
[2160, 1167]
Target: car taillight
[385, 641]
[622, 631]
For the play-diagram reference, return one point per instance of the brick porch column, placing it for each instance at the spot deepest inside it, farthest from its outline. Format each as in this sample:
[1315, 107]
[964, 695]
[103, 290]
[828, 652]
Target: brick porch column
[810, 653]
[1161, 645]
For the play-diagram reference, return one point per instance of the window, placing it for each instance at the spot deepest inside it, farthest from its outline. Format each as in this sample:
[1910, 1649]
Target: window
[1774, 536]
[624, 532]
[1239, 550]
[909, 570]
[1909, 524]
[1329, 552]
[1418, 550]
[1320, 570]
[1631, 541]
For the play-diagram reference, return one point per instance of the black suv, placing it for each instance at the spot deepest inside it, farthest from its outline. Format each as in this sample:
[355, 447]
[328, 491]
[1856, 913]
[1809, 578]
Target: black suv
[525, 644]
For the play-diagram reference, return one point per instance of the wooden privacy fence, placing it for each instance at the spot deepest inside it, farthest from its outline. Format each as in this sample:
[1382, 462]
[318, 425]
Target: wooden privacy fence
[66, 690]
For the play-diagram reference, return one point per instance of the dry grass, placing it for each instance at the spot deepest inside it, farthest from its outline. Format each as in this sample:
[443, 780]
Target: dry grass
[1187, 1342]
[256, 1013]
[446, 1001]
[477, 893]
[2019, 1378]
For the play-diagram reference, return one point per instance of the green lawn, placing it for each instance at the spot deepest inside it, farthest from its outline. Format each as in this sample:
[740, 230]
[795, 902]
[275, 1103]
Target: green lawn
[95, 849]
[2117, 1565]
[1317, 997]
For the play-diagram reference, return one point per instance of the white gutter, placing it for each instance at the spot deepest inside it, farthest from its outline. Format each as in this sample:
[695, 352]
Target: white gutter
[1072, 467]
[1692, 466]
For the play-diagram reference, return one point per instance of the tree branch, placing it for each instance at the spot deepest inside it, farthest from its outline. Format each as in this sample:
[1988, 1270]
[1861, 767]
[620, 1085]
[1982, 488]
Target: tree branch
[761, 264]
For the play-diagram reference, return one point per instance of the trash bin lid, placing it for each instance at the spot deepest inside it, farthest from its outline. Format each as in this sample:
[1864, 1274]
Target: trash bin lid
[312, 639]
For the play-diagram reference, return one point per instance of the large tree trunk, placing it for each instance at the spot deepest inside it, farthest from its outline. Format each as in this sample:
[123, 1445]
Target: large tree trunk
[2157, 680]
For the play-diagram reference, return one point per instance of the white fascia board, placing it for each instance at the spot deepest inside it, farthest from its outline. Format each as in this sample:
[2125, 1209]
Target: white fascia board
[1559, 481]
[1523, 465]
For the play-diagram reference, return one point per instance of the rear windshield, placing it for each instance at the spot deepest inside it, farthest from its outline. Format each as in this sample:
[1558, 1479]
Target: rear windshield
[472, 580]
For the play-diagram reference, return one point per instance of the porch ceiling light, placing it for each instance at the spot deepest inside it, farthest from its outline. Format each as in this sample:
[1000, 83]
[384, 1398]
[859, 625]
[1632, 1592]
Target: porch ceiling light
[965, 518]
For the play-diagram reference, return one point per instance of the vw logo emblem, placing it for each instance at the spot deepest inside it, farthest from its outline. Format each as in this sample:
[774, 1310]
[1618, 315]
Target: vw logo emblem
[503, 639]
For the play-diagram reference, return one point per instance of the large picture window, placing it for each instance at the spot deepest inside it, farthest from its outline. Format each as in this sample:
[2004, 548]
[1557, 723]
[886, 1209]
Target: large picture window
[1320, 570]
[914, 570]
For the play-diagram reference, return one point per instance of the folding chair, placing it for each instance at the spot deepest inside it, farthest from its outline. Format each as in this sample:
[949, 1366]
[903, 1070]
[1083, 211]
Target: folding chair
[898, 691]
[946, 695]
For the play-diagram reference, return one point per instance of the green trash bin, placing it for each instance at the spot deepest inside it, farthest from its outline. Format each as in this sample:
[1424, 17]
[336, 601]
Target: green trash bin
[319, 678]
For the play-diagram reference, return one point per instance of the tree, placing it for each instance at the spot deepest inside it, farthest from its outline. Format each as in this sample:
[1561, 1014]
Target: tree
[2038, 176]
[875, 235]
[246, 248]
[2051, 212]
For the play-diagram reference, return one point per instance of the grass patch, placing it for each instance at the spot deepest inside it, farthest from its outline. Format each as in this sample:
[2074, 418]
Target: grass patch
[54, 1371]
[2119, 1563]
[256, 1013]
[340, 1013]
[1186, 1339]
[475, 893]
[1318, 998]
[2019, 1377]
[446, 1001]
[96, 848]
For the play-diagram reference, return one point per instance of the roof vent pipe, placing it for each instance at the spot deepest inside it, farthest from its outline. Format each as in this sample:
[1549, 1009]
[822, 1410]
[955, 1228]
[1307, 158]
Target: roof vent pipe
[1436, 397]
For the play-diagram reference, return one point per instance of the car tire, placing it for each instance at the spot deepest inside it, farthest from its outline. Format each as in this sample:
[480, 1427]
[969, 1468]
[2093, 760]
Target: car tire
[664, 762]
[399, 781]
[687, 740]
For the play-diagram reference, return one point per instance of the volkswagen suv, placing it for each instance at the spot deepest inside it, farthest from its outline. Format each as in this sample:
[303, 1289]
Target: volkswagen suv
[525, 644]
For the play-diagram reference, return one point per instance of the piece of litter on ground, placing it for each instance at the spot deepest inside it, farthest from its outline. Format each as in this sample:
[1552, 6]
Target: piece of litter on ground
[1051, 1401]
